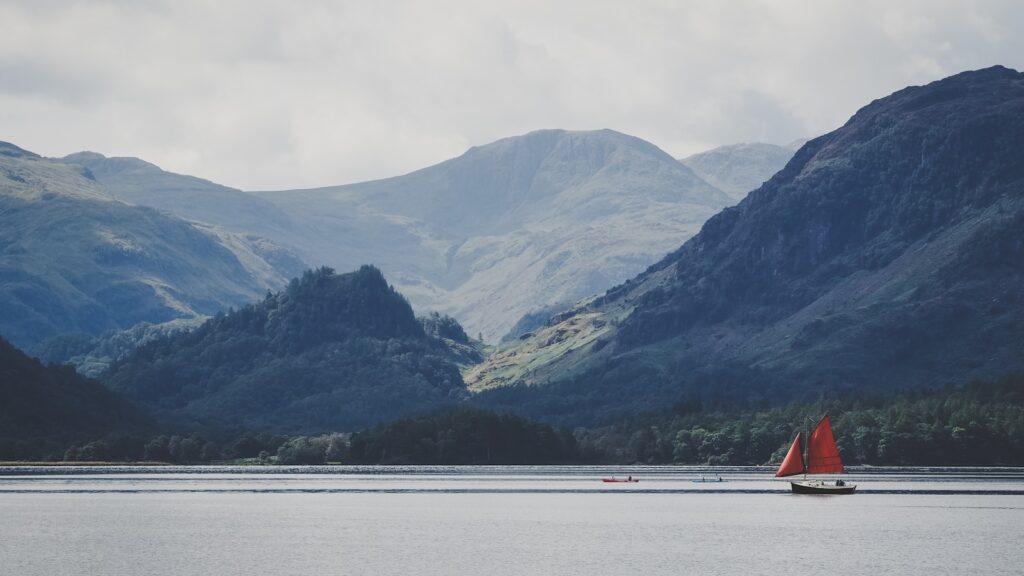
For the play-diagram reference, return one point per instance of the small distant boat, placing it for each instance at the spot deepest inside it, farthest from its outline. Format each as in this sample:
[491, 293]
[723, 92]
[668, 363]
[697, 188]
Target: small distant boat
[702, 480]
[822, 458]
[629, 480]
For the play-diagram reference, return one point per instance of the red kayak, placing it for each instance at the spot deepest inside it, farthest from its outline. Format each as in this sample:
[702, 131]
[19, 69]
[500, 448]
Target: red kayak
[627, 480]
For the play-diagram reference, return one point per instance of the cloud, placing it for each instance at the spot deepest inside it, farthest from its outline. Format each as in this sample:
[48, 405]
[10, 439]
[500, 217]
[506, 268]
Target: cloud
[264, 95]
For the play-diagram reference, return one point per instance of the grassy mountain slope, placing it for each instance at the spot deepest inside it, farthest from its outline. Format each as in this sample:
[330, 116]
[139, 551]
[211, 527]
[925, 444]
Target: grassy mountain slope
[74, 259]
[138, 182]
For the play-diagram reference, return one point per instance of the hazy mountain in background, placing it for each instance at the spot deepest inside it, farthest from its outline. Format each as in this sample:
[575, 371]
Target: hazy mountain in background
[510, 227]
[138, 182]
[73, 259]
[332, 352]
[737, 169]
[887, 254]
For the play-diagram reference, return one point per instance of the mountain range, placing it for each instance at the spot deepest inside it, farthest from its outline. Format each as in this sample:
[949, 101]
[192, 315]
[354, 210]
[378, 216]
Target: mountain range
[506, 229]
[885, 255]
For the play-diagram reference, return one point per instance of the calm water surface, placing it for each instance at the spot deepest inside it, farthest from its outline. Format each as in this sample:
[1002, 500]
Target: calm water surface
[502, 520]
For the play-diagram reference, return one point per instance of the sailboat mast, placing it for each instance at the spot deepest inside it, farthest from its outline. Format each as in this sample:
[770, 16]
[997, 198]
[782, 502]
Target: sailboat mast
[806, 454]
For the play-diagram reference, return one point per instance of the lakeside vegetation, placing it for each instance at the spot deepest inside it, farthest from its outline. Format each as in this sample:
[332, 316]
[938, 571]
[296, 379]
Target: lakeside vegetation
[981, 424]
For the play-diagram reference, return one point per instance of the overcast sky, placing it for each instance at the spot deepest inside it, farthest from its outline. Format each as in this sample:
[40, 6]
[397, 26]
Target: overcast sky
[268, 95]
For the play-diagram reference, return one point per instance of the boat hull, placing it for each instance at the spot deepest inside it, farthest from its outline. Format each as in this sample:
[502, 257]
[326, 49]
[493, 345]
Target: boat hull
[612, 480]
[819, 487]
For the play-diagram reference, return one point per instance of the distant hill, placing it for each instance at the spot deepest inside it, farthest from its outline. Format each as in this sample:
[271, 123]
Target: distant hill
[332, 352]
[138, 182]
[511, 227]
[74, 259]
[737, 169]
[53, 404]
[886, 255]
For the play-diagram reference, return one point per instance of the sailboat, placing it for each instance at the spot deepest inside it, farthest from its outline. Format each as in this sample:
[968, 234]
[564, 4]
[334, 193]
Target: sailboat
[822, 458]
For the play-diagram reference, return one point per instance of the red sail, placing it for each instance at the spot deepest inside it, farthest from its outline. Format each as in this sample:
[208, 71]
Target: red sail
[822, 454]
[794, 462]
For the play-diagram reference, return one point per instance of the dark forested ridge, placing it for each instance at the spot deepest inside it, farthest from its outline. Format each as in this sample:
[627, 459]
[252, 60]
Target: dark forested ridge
[45, 407]
[886, 254]
[332, 352]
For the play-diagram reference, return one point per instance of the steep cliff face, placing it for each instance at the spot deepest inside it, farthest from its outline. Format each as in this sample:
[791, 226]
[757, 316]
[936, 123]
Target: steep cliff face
[886, 254]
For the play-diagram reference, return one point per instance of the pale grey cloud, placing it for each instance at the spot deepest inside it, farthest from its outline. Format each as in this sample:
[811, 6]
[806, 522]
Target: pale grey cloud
[266, 95]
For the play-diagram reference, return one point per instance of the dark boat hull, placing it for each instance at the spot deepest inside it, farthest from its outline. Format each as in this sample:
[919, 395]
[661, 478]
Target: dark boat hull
[819, 487]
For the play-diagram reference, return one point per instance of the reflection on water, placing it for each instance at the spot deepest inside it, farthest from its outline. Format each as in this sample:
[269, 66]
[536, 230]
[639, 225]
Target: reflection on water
[502, 521]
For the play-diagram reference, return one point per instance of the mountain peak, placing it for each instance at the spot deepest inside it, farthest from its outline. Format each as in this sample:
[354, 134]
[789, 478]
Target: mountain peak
[985, 85]
[512, 226]
[994, 72]
[568, 143]
[95, 161]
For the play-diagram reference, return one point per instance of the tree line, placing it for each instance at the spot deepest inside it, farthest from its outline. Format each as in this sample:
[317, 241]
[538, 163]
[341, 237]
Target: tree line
[981, 424]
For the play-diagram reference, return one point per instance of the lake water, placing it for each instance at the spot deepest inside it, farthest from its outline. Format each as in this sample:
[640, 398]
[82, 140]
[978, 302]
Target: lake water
[502, 520]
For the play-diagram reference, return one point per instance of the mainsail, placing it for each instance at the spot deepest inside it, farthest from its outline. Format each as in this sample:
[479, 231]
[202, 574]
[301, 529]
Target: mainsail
[822, 454]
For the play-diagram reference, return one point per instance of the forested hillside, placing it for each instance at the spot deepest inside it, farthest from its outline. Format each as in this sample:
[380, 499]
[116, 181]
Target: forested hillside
[45, 408]
[332, 352]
